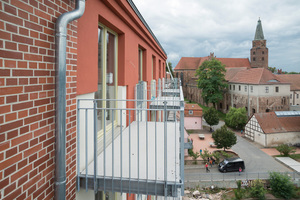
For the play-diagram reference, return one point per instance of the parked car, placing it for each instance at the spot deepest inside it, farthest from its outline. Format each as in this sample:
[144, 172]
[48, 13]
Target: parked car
[231, 165]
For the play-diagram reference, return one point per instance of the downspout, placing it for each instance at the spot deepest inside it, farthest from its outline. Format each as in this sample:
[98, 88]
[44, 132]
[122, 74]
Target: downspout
[60, 96]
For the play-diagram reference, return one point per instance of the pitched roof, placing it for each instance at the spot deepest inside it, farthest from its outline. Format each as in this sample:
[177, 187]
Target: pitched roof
[256, 76]
[259, 35]
[188, 63]
[192, 106]
[294, 79]
[195, 62]
[270, 123]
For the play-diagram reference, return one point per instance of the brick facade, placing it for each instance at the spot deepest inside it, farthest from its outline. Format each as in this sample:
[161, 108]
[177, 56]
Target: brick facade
[259, 54]
[27, 98]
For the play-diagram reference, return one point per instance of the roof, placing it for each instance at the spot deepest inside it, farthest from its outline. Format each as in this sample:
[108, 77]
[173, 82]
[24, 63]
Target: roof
[195, 62]
[189, 106]
[259, 35]
[271, 123]
[255, 76]
[188, 63]
[294, 79]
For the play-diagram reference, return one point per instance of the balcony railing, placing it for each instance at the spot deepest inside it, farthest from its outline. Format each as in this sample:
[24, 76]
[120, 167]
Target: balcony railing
[133, 146]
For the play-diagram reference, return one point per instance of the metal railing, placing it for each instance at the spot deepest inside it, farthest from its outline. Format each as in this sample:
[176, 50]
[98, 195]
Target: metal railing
[135, 146]
[229, 179]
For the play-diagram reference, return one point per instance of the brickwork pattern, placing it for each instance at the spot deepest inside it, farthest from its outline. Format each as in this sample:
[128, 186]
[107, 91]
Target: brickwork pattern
[27, 98]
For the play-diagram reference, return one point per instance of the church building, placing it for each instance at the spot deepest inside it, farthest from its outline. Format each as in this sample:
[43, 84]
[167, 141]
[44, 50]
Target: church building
[250, 83]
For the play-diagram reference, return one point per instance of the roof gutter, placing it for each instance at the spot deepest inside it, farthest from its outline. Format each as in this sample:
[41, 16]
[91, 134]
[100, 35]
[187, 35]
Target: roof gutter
[60, 96]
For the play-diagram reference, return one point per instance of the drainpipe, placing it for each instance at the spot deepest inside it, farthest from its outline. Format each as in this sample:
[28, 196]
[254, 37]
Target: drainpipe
[60, 96]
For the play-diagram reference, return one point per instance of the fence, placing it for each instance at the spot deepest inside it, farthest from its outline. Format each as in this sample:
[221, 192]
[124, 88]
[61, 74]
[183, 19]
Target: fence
[228, 180]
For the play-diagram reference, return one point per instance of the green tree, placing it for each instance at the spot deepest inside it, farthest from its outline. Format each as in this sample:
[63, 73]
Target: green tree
[211, 117]
[281, 185]
[211, 81]
[236, 118]
[224, 138]
[272, 69]
[285, 149]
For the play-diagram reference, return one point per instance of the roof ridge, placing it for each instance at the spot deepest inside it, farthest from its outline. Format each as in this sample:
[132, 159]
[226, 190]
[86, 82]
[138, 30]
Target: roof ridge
[261, 74]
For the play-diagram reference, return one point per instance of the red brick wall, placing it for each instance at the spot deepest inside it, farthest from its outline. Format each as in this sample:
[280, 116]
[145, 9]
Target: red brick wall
[27, 98]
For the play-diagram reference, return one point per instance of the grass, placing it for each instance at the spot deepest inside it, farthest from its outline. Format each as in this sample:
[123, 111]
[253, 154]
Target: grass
[204, 108]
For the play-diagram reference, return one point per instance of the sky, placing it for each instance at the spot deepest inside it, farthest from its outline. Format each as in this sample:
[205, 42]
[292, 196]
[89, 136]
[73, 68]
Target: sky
[194, 28]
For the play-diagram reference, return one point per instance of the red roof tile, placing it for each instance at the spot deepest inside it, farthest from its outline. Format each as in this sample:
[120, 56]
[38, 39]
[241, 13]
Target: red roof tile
[192, 106]
[270, 123]
[188, 63]
[195, 62]
[294, 79]
[256, 76]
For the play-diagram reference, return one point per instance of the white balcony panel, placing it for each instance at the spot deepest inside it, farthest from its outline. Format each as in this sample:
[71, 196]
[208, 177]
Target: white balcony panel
[137, 162]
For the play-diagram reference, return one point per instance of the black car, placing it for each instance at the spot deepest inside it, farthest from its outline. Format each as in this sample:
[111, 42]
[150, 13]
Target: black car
[231, 165]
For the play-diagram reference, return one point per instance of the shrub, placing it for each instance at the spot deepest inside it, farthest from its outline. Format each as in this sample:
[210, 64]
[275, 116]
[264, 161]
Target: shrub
[281, 185]
[239, 192]
[217, 156]
[205, 154]
[257, 190]
[285, 149]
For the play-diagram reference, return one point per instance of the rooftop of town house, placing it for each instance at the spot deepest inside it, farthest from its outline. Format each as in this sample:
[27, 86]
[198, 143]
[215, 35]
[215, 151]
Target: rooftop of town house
[192, 106]
[256, 76]
[271, 123]
[294, 79]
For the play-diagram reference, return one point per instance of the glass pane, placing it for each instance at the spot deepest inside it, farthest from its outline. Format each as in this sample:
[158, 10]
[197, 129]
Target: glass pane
[110, 76]
[98, 94]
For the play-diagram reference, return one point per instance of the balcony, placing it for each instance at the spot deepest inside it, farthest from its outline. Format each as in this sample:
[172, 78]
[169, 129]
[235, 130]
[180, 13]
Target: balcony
[133, 146]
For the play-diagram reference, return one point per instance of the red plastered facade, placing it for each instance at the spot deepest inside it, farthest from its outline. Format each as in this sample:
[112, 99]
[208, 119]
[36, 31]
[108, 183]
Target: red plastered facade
[27, 84]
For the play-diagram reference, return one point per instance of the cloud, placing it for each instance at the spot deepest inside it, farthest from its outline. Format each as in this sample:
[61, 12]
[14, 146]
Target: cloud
[197, 27]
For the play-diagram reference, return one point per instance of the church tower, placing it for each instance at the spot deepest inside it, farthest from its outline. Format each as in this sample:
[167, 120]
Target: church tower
[259, 52]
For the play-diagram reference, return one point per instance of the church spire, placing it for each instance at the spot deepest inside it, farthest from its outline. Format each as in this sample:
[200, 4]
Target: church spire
[259, 35]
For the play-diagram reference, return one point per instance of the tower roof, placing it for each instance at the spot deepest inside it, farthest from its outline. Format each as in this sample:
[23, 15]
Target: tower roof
[259, 35]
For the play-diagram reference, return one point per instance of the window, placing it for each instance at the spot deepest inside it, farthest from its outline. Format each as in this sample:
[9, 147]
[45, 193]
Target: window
[233, 87]
[251, 88]
[277, 89]
[159, 69]
[262, 58]
[253, 59]
[267, 89]
[230, 87]
[239, 88]
[142, 67]
[253, 52]
[190, 112]
[291, 96]
[297, 96]
[107, 74]
[263, 52]
[154, 67]
[245, 88]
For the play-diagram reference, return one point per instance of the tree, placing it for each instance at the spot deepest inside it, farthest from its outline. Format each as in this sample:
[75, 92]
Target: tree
[211, 117]
[171, 68]
[281, 185]
[236, 118]
[285, 149]
[224, 138]
[211, 81]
